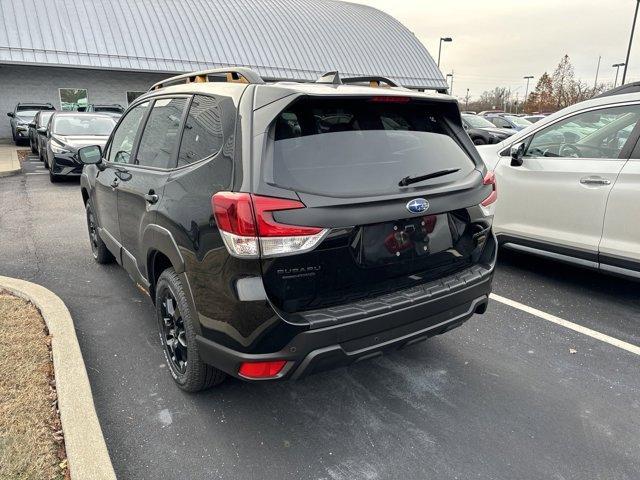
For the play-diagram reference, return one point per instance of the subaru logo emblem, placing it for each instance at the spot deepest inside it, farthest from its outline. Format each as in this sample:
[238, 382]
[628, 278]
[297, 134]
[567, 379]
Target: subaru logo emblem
[418, 205]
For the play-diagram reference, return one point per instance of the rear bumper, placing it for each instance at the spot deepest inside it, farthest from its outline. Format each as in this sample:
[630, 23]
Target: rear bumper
[368, 336]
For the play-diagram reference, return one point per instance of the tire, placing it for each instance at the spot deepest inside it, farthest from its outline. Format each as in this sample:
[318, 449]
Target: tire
[40, 157]
[46, 162]
[99, 250]
[479, 141]
[180, 349]
[53, 178]
[33, 149]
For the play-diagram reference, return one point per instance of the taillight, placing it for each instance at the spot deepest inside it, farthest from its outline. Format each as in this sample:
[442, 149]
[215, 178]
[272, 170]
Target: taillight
[490, 179]
[257, 370]
[249, 230]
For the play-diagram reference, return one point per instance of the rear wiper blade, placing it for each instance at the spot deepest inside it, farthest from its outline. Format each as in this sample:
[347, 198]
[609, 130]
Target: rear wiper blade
[409, 180]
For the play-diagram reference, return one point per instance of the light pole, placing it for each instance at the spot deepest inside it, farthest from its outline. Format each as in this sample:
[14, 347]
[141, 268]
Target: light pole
[595, 84]
[617, 67]
[466, 101]
[450, 75]
[443, 39]
[526, 92]
[633, 28]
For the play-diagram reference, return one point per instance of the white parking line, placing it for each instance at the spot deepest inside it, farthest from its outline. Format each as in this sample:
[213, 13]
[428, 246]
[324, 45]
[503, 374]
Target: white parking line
[629, 347]
[36, 173]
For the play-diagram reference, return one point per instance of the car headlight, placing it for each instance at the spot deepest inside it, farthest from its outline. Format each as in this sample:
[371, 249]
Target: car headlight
[59, 149]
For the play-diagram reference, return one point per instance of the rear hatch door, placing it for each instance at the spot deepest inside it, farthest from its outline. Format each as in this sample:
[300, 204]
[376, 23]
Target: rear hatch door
[388, 181]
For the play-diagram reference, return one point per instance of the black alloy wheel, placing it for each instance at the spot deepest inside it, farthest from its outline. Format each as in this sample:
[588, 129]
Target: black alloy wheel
[99, 250]
[93, 232]
[174, 335]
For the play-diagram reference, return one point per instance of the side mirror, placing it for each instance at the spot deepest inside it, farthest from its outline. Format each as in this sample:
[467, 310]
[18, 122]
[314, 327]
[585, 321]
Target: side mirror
[517, 154]
[11, 114]
[42, 130]
[32, 125]
[91, 155]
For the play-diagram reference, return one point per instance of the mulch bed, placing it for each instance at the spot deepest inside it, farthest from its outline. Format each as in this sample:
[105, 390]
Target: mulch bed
[23, 154]
[31, 439]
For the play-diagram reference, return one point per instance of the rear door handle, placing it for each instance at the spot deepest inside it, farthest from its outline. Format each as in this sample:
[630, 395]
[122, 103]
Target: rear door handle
[151, 198]
[114, 184]
[594, 181]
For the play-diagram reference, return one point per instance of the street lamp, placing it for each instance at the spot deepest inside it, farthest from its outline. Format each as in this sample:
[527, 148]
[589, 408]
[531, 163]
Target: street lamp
[626, 63]
[617, 67]
[444, 39]
[526, 94]
[450, 75]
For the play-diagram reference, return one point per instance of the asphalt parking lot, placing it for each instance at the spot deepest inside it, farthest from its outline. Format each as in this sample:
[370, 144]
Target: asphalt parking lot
[509, 395]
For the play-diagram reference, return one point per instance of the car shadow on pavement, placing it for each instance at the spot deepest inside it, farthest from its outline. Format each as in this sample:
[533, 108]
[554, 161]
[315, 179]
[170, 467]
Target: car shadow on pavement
[571, 276]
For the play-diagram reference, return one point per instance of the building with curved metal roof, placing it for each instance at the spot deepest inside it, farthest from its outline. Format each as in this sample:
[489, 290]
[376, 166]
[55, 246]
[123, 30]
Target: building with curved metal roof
[280, 39]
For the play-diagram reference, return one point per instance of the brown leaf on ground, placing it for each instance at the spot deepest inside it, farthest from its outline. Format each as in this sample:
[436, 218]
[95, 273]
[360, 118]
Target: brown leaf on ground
[23, 154]
[30, 438]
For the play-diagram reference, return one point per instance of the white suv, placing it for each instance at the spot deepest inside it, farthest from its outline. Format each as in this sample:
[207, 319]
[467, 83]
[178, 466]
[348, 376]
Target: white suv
[570, 185]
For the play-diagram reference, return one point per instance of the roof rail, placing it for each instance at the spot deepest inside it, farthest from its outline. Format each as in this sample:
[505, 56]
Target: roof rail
[374, 80]
[233, 75]
[333, 78]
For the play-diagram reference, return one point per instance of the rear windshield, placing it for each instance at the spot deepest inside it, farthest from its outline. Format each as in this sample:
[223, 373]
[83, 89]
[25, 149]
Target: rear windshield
[477, 122]
[521, 122]
[351, 147]
[69, 125]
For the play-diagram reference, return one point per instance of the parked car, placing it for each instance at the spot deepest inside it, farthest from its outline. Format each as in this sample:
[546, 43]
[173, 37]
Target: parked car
[631, 87]
[114, 109]
[22, 116]
[66, 133]
[483, 132]
[508, 122]
[534, 118]
[40, 120]
[275, 244]
[570, 185]
[490, 112]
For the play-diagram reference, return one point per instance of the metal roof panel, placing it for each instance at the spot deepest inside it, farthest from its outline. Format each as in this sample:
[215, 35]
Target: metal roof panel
[280, 39]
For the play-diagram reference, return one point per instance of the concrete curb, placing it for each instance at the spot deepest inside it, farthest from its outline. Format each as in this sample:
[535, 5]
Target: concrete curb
[8, 173]
[86, 449]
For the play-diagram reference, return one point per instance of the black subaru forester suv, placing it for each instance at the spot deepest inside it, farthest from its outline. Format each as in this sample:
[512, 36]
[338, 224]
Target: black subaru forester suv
[286, 228]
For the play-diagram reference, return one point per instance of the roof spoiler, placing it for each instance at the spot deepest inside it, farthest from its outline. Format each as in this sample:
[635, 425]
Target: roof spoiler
[333, 78]
[231, 75]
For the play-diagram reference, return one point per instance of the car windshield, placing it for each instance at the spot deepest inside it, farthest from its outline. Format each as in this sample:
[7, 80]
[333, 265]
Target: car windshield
[477, 122]
[70, 125]
[109, 109]
[349, 147]
[44, 118]
[521, 122]
[27, 113]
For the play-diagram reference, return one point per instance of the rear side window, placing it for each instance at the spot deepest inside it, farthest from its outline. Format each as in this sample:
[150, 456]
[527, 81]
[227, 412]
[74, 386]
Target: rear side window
[159, 140]
[202, 131]
[351, 147]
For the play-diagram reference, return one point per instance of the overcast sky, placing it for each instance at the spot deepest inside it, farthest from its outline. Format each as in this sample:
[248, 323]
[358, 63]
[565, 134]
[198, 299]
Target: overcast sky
[497, 42]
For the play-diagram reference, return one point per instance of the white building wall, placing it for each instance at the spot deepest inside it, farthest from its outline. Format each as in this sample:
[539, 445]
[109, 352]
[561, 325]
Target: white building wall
[25, 84]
